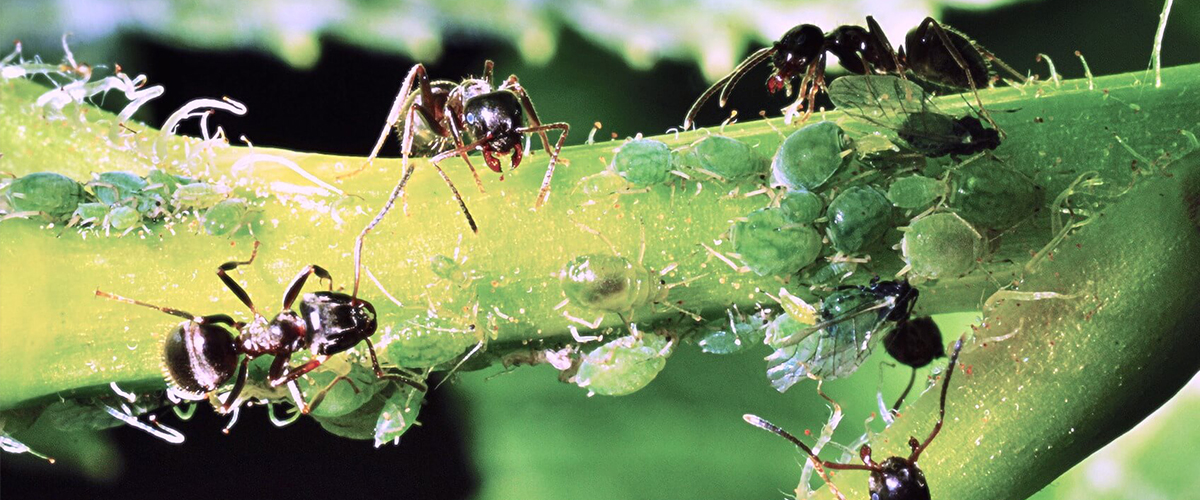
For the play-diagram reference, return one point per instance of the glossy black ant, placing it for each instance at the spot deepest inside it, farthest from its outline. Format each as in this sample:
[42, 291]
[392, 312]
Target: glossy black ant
[896, 478]
[936, 54]
[448, 119]
[201, 354]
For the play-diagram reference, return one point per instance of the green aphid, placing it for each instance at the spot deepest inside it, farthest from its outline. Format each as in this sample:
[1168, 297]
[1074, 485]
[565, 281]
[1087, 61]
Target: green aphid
[858, 217]
[989, 195]
[725, 157]
[117, 187]
[916, 191]
[164, 184]
[399, 413]
[623, 366]
[199, 195]
[350, 391]
[809, 157]
[643, 162]
[227, 216]
[771, 243]
[610, 283]
[446, 268]
[734, 334]
[802, 206]
[941, 245]
[47, 192]
[89, 214]
[122, 217]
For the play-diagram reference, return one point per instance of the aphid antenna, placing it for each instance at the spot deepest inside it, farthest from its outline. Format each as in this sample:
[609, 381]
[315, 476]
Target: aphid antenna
[282, 422]
[185, 411]
[458, 365]
[381, 288]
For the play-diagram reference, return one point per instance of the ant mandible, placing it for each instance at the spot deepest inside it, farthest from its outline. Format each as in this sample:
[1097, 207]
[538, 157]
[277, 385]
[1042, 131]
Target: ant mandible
[448, 119]
[896, 478]
[201, 354]
[936, 54]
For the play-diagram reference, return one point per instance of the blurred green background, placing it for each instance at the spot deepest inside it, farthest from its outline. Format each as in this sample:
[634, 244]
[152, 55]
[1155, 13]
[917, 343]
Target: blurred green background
[319, 77]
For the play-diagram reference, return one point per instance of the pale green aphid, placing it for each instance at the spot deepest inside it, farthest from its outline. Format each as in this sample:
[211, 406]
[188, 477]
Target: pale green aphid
[399, 413]
[46, 192]
[227, 216]
[625, 365]
[941, 245]
[199, 195]
[343, 388]
[122, 217]
[446, 268]
[724, 157]
[117, 187]
[809, 157]
[89, 214]
[769, 242]
[916, 191]
[610, 283]
[801, 206]
[991, 196]
[858, 217]
[733, 334]
[643, 162]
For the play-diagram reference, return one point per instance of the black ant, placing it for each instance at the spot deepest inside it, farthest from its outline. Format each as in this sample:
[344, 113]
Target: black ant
[896, 478]
[936, 54]
[448, 119]
[201, 354]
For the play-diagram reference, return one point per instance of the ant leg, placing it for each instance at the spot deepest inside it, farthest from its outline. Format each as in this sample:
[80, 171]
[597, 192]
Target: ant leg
[168, 310]
[458, 144]
[515, 86]
[417, 73]
[293, 289]
[899, 401]
[942, 405]
[726, 83]
[962, 64]
[876, 30]
[320, 395]
[487, 71]
[565, 128]
[233, 285]
[999, 62]
[450, 154]
[379, 373]
[231, 399]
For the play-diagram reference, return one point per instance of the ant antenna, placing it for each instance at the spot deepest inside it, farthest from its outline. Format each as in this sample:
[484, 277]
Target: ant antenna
[763, 424]
[168, 310]
[942, 405]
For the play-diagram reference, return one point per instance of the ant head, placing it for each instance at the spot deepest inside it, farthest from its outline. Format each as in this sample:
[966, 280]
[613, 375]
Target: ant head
[495, 115]
[799, 48]
[898, 479]
[198, 358]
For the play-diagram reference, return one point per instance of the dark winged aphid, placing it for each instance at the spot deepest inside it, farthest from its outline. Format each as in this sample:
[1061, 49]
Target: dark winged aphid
[852, 321]
[905, 108]
[935, 53]
[447, 119]
[897, 478]
[204, 352]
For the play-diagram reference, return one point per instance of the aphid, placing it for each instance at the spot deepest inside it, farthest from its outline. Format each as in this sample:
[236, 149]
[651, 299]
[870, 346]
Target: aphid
[611, 283]
[858, 218]
[446, 119]
[936, 54]
[624, 365]
[89, 214]
[724, 158]
[989, 195]
[111, 188]
[897, 478]
[852, 321]
[801, 207]
[732, 335]
[44, 192]
[906, 109]
[643, 162]
[809, 157]
[202, 353]
[917, 191]
[123, 218]
[769, 242]
[199, 195]
[941, 245]
[227, 217]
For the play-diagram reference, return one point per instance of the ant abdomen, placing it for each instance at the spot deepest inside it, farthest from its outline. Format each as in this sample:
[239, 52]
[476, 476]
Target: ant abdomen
[199, 358]
[929, 59]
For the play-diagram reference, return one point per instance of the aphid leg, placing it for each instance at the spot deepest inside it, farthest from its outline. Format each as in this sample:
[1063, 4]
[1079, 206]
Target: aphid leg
[962, 64]
[157, 430]
[417, 72]
[293, 290]
[942, 405]
[280, 422]
[565, 128]
[233, 285]
[231, 399]
[7, 443]
[899, 401]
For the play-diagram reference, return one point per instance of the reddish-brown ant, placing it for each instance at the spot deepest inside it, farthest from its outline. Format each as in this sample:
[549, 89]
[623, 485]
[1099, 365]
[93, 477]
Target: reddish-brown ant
[936, 54]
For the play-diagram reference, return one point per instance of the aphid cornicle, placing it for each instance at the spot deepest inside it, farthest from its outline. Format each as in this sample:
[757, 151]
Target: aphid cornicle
[447, 119]
[202, 353]
[935, 53]
[896, 478]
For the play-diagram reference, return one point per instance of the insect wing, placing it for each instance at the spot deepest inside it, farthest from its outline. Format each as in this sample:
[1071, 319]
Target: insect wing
[831, 349]
[885, 100]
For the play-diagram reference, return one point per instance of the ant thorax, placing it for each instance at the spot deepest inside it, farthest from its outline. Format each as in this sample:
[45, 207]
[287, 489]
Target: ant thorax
[468, 89]
[286, 332]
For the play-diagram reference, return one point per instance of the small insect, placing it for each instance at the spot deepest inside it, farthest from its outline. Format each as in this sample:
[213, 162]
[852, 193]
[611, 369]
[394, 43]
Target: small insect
[905, 108]
[936, 54]
[447, 119]
[858, 218]
[769, 242]
[852, 322]
[42, 193]
[897, 478]
[201, 354]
